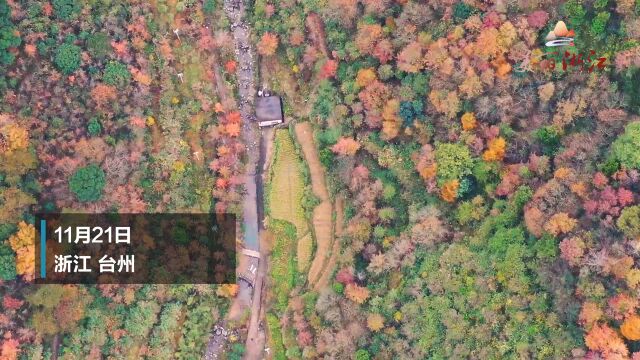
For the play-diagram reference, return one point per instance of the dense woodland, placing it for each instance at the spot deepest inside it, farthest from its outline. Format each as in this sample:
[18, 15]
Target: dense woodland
[492, 191]
[110, 106]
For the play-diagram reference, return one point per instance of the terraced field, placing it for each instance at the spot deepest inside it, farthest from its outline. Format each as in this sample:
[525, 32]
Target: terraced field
[322, 214]
[287, 184]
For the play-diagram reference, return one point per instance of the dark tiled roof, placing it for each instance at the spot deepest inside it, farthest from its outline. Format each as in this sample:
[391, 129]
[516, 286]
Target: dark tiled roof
[268, 108]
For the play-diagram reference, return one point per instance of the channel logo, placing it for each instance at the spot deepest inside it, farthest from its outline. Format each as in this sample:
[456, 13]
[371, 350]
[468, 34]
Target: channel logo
[560, 36]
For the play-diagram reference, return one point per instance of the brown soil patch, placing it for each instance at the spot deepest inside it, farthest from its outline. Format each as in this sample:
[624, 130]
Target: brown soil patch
[322, 226]
[304, 134]
[335, 249]
[322, 222]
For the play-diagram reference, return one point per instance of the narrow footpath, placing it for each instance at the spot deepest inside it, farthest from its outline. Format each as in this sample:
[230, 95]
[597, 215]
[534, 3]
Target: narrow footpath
[256, 141]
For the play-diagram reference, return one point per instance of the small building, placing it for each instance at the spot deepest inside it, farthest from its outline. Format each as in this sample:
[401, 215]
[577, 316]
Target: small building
[269, 110]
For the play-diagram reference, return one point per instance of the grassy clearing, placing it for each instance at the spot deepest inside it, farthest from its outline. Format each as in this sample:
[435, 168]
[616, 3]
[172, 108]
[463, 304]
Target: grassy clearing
[275, 337]
[283, 262]
[286, 185]
[283, 276]
[304, 135]
[305, 251]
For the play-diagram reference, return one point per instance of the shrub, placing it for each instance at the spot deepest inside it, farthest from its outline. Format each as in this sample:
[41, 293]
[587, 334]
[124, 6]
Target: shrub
[237, 350]
[67, 58]
[338, 288]
[326, 100]
[87, 183]
[116, 74]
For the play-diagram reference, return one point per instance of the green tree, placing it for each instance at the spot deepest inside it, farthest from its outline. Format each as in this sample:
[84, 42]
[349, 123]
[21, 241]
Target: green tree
[629, 85]
[116, 73]
[98, 45]
[599, 23]
[629, 221]
[7, 230]
[626, 148]
[94, 127]
[362, 354]
[141, 318]
[87, 183]
[209, 6]
[454, 161]
[575, 11]
[8, 37]
[549, 139]
[67, 9]
[600, 4]
[326, 100]
[7, 263]
[461, 11]
[67, 58]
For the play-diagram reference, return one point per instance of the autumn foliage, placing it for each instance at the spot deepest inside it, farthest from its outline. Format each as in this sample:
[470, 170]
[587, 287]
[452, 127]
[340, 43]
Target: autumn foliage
[356, 293]
[375, 322]
[22, 242]
[630, 328]
[605, 340]
[346, 147]
[449, 191]
[268, 44]
[469, 121]
[496, 150]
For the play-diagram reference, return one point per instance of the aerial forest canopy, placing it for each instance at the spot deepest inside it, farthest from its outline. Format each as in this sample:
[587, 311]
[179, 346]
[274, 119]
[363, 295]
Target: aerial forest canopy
[447, 186]
[492, 185]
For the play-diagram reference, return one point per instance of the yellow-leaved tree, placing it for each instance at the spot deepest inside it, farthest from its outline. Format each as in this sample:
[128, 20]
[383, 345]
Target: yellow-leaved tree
[22, 242]
[496, 150]
[375, 322]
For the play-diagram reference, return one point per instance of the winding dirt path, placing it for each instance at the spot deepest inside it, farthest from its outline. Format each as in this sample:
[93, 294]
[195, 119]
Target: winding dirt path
[257, 143]
[322, 214]
[325, 278]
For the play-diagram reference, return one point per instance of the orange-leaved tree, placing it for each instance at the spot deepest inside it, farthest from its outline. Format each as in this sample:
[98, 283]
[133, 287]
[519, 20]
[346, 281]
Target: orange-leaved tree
[268, 44]
[469, 121]
[496, 150]
[356, 293]
[630, 328]
[605, 340]
[346, 146]
[449, 191]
